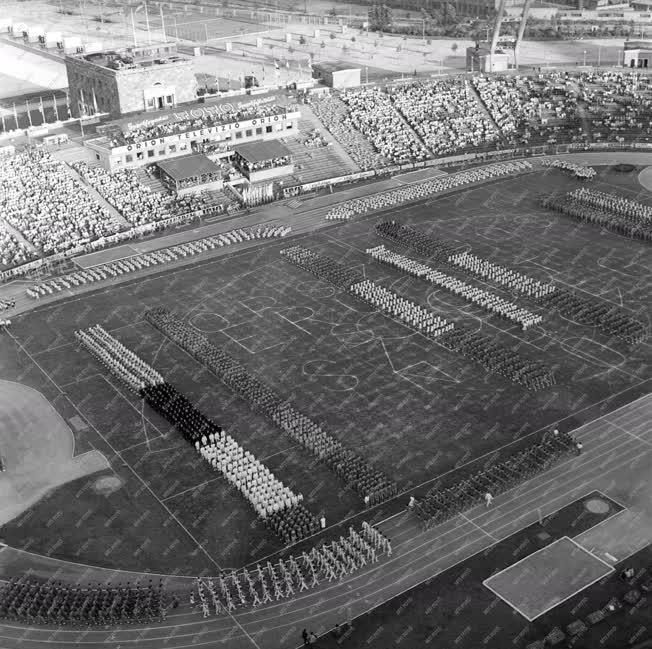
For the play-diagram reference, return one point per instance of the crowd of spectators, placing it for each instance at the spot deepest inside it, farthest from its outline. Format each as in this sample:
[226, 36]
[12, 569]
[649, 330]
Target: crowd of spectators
[135, 135]
[532, 110]
[277, 505]
[283, 579]
[349, 209]
[618, 104]
[358, 474]
[488, 301]
[333, 113]
[372, 113]
[47, 205]
[446, 114]
[154, 258]
[442, 504]
[581, 172]
[136, 202]
[13, 252]
[32, 601]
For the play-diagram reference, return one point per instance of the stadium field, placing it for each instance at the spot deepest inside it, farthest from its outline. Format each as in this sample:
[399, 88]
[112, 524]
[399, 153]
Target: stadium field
[412, 407]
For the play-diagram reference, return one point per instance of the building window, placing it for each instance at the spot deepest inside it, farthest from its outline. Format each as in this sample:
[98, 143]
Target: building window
[173, 148]
[259, 130]
[150, 103]
[268, 129]
[238, 135]
[97, 156]
[227, 137]
[140, 156]
[183, 147]
[279, 127]
[248, 132]
[129, 158]
[289, 126]
[169, 99]
[150, 153]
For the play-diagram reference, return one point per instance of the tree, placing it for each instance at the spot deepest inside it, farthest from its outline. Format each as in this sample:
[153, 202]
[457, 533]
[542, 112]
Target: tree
[323, 45]
[380, 17]
[353, 39]
[454, 47]
[332, 36]
[302, 40]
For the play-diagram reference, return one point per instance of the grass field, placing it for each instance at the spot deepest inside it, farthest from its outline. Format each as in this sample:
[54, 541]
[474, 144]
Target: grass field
[407, 404]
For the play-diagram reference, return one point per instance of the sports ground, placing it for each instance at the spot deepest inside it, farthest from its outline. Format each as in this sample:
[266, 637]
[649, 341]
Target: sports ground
[419, 412]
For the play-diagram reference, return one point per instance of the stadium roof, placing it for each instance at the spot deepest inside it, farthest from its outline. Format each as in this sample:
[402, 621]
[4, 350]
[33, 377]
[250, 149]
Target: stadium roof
[188, 166]
[261, 151]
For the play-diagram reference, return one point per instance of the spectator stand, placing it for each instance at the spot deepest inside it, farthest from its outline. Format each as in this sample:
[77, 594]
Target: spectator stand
[263, 161]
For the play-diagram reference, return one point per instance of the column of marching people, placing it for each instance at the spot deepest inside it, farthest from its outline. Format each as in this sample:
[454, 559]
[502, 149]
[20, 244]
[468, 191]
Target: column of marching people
[276, 504]
[155, 258]
[372, 484]
[283, 579]
[489, 301]
[416, 191]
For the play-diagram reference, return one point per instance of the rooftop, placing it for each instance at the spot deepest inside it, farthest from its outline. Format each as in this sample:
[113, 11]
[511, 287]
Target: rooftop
[188, 166]
[261, 151]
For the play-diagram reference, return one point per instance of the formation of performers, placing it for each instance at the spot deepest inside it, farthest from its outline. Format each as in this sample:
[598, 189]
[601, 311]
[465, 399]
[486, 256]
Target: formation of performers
[501, 275]
[155, 258]
[287, 577]
[488, 301]
[31, 601]
[5, 305]
[322, 266]
[615, 213]
[402, 309]
[439, 504]
[273, 502]
[416, 191]
[608, 318]
[494, 357]
[579, 171]
[372, 484]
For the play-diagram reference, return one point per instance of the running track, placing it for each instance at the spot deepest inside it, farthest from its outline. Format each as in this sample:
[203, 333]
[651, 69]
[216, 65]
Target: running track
[616, 459]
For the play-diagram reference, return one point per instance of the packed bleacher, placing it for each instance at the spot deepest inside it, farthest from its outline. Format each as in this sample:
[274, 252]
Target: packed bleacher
[489, 301]
[135, 201]
[151, 131]
[446, 115]
[618, 104]
[29, 600]
[12, 251]
[333, 113]
[532, 110]
[372, 113]
[417, 191]
[155, 258]
[614, 213]
[442, 504]
[581, 172]
[354, 470]
[288, 577]
[274, 503]
[47, 205]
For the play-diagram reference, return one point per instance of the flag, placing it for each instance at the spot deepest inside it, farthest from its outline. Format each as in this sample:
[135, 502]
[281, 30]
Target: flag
[42, 109]
[310, 63]
[276, 64]
[16, 115]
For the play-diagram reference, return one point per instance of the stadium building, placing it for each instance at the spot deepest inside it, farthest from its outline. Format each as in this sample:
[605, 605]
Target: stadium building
[117, 82]
[211, 127]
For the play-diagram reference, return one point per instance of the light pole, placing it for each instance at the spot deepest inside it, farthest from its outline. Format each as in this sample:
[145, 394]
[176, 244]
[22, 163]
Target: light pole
[584, 58]
[599, 53]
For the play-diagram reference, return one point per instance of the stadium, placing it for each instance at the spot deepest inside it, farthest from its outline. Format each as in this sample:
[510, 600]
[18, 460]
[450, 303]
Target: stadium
[308, 345]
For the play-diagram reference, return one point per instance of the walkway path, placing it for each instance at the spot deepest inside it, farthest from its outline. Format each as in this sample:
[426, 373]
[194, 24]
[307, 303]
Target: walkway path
[616, 460]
